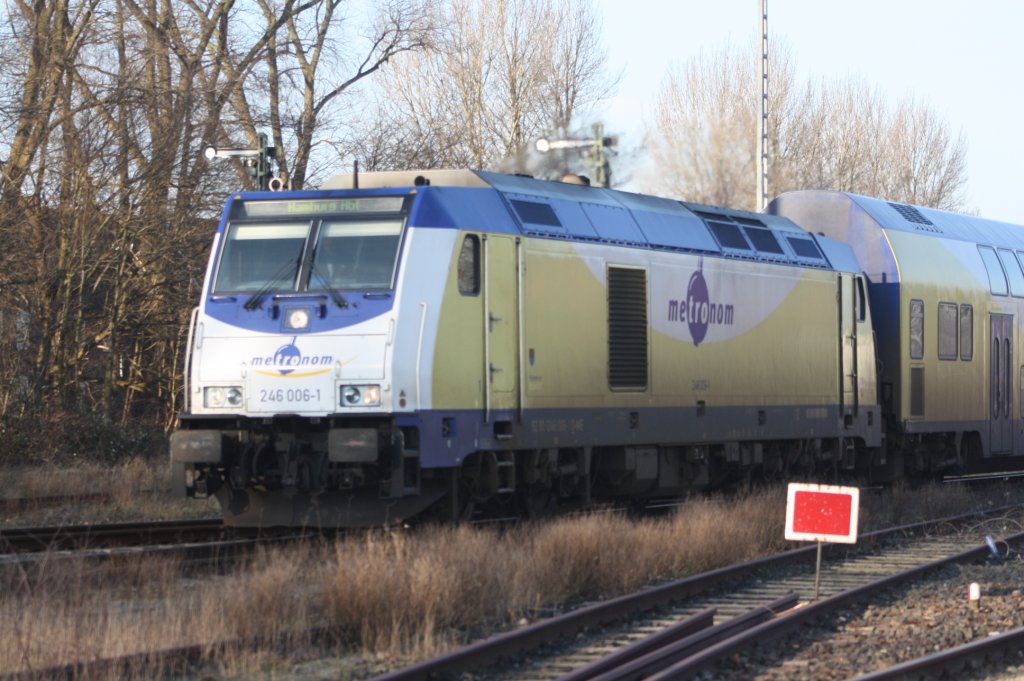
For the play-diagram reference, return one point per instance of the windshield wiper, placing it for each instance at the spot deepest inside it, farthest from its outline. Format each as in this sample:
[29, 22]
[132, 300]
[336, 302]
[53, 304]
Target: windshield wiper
[338, 299]
[257, 298]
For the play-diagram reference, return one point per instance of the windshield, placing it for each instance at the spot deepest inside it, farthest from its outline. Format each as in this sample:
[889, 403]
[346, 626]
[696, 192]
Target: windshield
[355, 255]
[256, 255]
[348, 254]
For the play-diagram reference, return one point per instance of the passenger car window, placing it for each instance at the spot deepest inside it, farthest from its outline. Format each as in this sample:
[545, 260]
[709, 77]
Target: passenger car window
[948, 329]
[1013, 272]
[966, 333]
[996, 276]
[916, 329]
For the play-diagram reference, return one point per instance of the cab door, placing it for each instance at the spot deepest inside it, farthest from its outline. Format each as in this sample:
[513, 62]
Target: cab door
[501, 322]
[1000, 384]
[848, 315]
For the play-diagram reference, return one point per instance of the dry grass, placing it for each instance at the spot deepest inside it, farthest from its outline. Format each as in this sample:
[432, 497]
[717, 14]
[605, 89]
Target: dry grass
[76, 610]
[414, 592]
[129, 478]
[904, 505]
[134, 490]
[398, 594]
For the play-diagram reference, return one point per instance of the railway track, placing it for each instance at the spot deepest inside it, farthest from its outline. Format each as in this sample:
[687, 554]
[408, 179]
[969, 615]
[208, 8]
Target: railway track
[200, 544]
[20, 504]
[955, 661]
[106, 535]
[710, 606]
[752, 593]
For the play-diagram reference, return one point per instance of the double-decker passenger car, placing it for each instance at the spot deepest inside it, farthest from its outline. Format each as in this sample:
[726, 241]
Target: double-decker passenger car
[947, 295]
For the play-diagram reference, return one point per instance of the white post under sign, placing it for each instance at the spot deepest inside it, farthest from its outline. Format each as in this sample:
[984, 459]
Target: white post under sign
[821, 513]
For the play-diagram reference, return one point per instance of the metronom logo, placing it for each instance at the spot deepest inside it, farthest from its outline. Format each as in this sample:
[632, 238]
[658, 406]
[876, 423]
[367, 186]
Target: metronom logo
[697, 310]
[288, 358]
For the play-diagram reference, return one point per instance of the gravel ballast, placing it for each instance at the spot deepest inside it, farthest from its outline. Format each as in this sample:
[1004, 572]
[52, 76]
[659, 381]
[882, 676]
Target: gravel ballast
[907, 623]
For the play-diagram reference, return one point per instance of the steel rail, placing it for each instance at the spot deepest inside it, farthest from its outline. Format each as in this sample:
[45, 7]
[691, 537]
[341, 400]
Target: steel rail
[509, 644]
[177, 660]
[193, 554]
[486, 652]
[15, 504]
[951, 660]
[631, 665]
[784, 624]
[685, 629]
[14, 540]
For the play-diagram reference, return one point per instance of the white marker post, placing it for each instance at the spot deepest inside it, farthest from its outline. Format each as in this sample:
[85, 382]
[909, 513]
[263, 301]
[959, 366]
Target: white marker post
[821, 513]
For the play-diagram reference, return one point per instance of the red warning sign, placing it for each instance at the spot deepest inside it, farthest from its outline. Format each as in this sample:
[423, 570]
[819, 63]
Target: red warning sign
[822, 513]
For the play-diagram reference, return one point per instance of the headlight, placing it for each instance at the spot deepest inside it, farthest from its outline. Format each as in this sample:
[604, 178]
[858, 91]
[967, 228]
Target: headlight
[216, 396]
[296, 318]
[360, 395]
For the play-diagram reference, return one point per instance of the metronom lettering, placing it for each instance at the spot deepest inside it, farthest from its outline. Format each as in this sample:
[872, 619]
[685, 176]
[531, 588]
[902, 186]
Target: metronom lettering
[292, 361]
[699, 312]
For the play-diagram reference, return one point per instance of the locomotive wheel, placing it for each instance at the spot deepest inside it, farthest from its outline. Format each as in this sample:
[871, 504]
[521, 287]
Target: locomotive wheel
[537, 501]
[971, 452]
[773, 468]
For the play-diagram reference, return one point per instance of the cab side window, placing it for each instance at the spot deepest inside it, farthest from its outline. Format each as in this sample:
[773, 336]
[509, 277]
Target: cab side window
[469, 266]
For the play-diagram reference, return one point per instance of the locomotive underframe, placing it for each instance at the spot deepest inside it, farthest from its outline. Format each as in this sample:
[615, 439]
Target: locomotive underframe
[367, 471]
[336, 471]
[525, 482]
[293, 470]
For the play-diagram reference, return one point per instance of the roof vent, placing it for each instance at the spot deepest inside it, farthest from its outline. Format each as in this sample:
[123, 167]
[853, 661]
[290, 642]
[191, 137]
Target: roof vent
[912, 214]
[536, 213]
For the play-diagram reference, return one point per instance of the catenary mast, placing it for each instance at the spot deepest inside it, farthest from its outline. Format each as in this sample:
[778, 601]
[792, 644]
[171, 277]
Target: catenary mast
[762, 138]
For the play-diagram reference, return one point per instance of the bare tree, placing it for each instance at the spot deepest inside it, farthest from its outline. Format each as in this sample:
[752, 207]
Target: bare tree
[702, 142]
[38, 277]
[105, 191]
[840, 135]
[503, 73]
[102, 189]
[297, 90]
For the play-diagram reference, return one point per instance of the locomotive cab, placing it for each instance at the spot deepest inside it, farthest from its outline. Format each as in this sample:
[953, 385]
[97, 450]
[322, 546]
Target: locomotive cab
[289, 391]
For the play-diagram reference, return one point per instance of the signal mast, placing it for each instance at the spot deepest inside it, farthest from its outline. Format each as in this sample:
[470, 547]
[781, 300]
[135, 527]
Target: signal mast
[256, 163]
[762, 138]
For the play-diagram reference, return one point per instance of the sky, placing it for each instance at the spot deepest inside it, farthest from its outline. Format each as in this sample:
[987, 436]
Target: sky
[962, 58]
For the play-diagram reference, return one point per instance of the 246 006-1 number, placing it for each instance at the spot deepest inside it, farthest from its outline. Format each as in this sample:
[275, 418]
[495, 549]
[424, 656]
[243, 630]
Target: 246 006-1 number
[290, 395]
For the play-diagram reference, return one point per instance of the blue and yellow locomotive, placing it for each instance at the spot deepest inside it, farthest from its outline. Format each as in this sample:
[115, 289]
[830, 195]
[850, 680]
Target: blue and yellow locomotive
[446, 342]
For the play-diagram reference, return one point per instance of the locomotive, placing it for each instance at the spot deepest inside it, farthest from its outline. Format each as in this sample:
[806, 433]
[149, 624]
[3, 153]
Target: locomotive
[452, 342]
